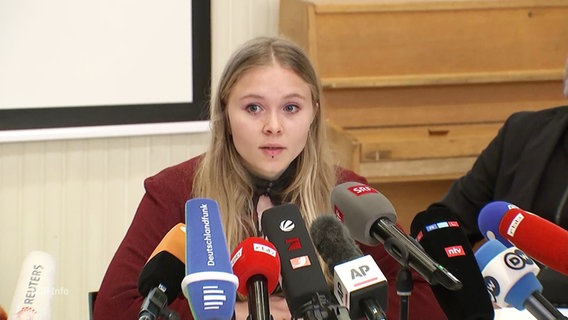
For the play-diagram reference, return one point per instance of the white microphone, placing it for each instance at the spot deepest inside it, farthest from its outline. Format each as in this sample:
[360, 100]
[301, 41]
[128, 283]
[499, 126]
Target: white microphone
[34, 291]
[358, 282]
[510, 278]
[359, 285]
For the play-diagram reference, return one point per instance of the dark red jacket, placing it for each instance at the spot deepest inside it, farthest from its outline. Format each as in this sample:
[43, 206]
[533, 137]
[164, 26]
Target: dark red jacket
[162, 207]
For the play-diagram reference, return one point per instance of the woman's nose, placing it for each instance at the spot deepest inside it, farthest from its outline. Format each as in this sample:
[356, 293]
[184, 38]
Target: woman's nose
[272, 124]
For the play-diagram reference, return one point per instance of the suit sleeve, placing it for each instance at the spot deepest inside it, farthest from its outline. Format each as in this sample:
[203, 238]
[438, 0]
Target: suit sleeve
[468, 194]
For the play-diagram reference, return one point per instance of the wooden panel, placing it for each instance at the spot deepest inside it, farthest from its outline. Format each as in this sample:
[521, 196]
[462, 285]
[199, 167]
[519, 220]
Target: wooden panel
[415, 170]
[392, 106]
[424, 142]
[423, 86]
[346, 149]
[407, 38]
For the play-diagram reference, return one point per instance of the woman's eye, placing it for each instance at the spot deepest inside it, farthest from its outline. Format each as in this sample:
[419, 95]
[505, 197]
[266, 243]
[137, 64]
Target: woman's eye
[253, 108]
[291, 108]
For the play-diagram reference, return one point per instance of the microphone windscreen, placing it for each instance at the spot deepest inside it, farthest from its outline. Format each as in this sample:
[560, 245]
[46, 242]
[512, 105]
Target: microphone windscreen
[301, 272]
[509, 274]
[333, 242]
[541, 239]
[166, 265]
[359, 206]
[33, 295]
[256, 256]
[209, 285]
[356, 278]
[440, 234]
[489, 219]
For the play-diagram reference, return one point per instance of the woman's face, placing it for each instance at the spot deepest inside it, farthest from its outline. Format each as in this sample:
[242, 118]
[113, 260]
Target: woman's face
[270, 112]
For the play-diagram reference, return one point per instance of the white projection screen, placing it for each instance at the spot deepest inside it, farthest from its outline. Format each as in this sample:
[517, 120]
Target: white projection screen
[102, 63]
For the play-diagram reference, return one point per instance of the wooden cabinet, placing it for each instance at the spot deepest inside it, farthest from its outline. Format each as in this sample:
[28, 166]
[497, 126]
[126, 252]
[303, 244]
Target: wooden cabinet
[426, 82]
[422, 86]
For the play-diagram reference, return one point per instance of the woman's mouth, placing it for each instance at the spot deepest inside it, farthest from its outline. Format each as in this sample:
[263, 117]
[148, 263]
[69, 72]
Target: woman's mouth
[272, 150]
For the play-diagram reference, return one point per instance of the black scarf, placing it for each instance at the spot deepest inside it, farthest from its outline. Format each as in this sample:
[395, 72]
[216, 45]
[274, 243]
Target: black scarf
[273, 188]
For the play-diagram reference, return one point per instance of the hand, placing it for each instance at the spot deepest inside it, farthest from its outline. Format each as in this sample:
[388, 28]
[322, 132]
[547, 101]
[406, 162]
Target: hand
[278, 308]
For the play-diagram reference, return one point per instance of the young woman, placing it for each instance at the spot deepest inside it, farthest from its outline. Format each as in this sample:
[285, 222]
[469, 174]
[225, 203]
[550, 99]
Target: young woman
[267, 147]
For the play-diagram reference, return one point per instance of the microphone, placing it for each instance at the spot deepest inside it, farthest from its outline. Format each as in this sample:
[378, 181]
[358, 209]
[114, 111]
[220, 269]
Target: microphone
[359, 284]
[160, 279]
[256, 263]
[35, 288]
[489, 218]
[518, 227]
[441, 236]
[510, 278]
[209, 285]
[303, 282]
[370, 218]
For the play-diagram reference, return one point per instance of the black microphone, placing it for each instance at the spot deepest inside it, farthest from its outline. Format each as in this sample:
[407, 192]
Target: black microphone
[358, 282]
[160, 279]
[303, 282]
[370, 218]
[439, 233]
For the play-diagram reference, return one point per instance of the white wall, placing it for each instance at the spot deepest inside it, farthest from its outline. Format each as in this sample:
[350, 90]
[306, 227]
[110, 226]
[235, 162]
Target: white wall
[75, 198]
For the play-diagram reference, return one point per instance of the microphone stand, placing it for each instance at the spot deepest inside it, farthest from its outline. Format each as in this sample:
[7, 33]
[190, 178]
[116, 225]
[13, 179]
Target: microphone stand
[258, 300]
[372, 310]
[403, 289]
[320, 309]
[155, 305]
[541, 308]
[404, 282]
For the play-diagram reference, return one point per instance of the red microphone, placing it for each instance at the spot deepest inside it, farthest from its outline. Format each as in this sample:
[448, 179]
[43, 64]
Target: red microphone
[537, 237]
[256, 263]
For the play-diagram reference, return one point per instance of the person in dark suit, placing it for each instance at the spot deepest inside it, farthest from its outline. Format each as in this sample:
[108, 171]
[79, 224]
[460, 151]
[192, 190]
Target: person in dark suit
[526, 164]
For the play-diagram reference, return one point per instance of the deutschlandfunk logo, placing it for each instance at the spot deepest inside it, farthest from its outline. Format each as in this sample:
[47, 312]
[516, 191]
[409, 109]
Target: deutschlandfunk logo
[214, 297]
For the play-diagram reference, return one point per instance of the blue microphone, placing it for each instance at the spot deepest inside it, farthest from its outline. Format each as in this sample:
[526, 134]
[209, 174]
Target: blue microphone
[510, 278]
[209, 285]
[489, 219]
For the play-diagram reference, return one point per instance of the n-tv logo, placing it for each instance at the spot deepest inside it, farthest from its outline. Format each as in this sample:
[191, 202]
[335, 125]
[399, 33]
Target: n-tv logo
[213, 297]
[454, 251]
[361, 189]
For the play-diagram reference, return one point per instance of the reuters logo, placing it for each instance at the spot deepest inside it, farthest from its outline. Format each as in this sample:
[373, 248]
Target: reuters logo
[287, 225]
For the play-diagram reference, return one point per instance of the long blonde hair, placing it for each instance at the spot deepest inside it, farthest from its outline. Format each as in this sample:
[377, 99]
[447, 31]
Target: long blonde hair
[221, 174]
